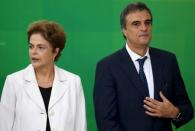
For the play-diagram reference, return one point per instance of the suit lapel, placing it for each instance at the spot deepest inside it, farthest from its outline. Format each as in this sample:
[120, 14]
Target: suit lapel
[31, 87]
[60, 86]
[157, 72]
[129, 69]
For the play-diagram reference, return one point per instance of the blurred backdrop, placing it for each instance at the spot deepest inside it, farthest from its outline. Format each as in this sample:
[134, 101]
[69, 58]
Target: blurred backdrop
[93, 32]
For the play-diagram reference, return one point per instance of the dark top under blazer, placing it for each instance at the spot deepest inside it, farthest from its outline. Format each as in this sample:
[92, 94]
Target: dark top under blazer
[119, 95]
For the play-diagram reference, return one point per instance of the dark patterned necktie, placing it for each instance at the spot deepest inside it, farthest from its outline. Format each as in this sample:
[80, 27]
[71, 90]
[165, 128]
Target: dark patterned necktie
[142, 74]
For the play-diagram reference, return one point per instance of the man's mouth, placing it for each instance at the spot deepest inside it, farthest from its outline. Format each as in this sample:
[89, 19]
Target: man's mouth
[143, 35]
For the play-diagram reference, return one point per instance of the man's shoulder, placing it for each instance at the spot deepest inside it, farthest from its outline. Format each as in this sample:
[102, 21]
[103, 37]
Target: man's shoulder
[161, 52]
[111, 58]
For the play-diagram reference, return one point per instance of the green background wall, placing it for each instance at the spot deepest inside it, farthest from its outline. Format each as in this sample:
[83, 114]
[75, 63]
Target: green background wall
[93, 32]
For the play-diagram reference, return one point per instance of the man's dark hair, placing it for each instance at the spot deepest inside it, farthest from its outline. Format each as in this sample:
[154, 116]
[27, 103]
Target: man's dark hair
[131, 8]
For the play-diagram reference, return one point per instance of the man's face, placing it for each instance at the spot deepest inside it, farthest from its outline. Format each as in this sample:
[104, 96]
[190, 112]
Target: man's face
[138, 30]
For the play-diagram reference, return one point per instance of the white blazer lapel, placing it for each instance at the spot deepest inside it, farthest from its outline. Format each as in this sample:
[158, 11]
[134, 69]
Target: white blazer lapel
[31, 87]
[60, 85]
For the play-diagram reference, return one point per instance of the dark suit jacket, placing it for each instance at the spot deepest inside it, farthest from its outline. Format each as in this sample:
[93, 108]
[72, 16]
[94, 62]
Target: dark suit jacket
[119, 95]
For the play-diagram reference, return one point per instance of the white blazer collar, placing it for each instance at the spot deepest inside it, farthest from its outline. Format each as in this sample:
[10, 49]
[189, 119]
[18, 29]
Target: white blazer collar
[60, 85]
[29, 74]
[58, 88]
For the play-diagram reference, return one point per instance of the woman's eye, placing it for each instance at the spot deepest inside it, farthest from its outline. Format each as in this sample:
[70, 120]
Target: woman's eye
[41, 47]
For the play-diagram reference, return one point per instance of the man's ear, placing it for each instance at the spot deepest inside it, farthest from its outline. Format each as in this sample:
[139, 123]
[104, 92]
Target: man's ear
[124, 32]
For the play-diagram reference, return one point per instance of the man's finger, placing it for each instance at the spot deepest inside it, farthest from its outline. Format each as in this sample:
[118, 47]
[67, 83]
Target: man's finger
[152, 114]
[150, 109]
[163, 97]
[156, 102]
[150, 104]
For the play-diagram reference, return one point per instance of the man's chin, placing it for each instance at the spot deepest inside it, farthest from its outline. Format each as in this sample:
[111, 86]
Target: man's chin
[145, 42]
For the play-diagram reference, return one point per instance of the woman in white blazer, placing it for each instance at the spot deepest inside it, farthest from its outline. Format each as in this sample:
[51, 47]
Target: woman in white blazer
[5, 117]
[44, 97]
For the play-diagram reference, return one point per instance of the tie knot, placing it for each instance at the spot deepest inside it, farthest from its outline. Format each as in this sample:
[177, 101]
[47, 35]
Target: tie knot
[141, 61]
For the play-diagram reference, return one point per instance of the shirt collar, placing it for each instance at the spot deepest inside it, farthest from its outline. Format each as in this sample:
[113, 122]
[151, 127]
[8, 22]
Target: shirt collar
[135, 56]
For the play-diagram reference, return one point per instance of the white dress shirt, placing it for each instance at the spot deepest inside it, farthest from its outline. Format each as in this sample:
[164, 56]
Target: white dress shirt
[147, 68]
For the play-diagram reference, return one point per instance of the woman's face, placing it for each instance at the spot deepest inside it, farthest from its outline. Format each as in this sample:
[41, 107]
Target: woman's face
[41, 52]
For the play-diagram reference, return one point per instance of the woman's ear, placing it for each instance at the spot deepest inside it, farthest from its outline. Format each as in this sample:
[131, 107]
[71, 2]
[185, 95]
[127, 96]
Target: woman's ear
[56, 51]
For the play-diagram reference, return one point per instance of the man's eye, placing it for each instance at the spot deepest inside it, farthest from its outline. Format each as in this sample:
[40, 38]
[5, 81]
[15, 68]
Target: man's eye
[149, 22]
[136, 23]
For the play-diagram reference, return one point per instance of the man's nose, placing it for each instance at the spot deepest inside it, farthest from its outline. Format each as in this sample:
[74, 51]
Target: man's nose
[143, 27]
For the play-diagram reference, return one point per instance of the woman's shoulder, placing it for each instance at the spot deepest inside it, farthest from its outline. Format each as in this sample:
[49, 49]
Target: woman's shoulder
[62, 73]
[18, 75]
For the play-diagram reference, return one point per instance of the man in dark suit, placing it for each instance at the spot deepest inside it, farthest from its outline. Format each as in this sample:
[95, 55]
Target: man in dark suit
[140, 88]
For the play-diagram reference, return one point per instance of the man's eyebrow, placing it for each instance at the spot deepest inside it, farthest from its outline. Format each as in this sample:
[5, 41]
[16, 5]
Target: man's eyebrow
[148, 20]
[136, 21]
